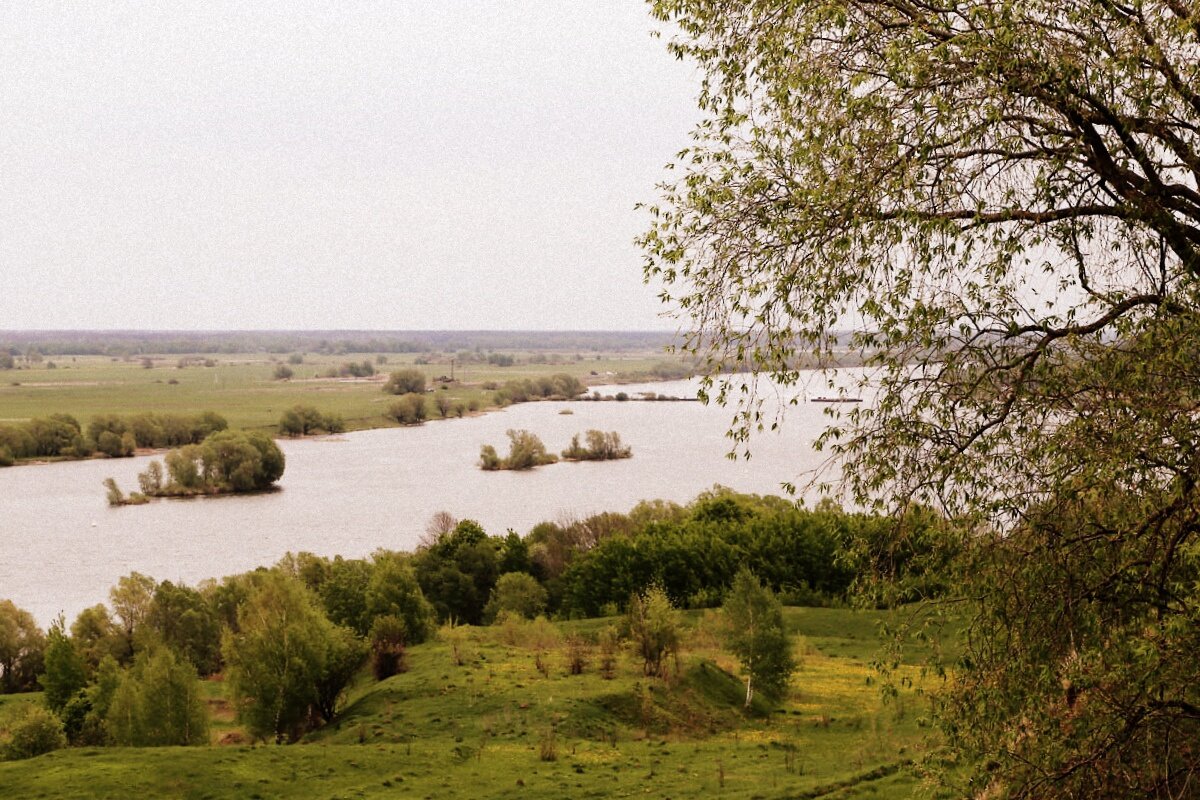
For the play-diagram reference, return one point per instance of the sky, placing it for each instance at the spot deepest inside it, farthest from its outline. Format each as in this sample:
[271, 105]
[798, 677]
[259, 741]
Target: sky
[305, 165]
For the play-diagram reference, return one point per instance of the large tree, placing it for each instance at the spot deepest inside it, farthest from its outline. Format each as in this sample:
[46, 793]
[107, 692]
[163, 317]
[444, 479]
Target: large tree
[286, 664]
[996, 205]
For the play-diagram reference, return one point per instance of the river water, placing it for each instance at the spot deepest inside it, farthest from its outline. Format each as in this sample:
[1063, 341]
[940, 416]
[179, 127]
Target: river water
[62, 547]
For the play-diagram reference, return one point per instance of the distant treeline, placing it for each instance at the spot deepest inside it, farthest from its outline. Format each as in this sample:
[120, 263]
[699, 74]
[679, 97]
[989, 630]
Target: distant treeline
[120, 343]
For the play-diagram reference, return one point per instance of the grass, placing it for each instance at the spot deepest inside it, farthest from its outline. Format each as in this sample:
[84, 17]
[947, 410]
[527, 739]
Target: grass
[498, 726]
[241, 387]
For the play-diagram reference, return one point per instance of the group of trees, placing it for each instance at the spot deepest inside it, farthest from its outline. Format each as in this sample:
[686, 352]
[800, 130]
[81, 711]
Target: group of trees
[226, 461]
[289, 639]
[560, 386]
[61, 435]
[1004, 199]
[591, 567]
[808, 556]
[302, 420]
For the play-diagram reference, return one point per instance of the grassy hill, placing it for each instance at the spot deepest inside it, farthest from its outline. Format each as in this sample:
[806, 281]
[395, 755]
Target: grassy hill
[495, 712]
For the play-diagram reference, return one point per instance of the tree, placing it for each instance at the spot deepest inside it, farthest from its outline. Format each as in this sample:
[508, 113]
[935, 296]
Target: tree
[344, 654]
[22, 644]
[393, 591]
[158, 703]
[405, 381]
[96, 635]
[514, 554]
[995, 206]
[131, 599]
[757, 636]
[241, 461]
[654, 627]
[457, 573]
[344, 593]
[66, 672]
[517, 592]
[183, 621]
[277, 658]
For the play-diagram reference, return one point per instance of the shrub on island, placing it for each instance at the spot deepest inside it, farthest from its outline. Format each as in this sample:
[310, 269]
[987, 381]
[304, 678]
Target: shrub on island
[525, 451]
[601, 446]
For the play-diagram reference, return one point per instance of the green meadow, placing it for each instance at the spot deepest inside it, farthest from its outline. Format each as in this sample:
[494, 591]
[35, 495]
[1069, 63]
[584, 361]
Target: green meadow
[242, 387]
[495, 712]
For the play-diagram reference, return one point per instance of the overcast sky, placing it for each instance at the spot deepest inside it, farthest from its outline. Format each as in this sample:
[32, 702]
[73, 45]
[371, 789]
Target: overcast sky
[391, 165]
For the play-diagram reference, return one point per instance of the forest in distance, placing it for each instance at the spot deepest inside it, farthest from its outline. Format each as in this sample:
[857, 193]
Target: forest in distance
[137, 343]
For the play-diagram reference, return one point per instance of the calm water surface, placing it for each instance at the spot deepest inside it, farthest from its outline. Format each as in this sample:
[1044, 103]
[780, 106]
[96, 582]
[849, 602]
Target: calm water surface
[62, 547]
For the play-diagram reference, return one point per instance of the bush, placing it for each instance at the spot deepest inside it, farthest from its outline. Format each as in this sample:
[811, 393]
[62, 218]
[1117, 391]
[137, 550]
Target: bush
[405, 381]
[526, 451]
[389, 637]
[654, 626]
[283, 373]
[36, 730]
[410, 409]
[601, 446]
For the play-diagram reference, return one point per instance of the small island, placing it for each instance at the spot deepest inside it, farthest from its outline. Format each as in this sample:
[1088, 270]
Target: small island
[226, 462]
[601, 446]
[527, 451]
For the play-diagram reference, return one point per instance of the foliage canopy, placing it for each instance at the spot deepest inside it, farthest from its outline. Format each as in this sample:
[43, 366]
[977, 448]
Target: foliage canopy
[1002, 201]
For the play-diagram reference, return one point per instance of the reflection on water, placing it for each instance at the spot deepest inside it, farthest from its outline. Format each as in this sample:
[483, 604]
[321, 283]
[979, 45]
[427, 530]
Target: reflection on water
[62, 547]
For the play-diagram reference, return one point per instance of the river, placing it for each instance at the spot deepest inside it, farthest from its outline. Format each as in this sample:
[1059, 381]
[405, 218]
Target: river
[62, 547]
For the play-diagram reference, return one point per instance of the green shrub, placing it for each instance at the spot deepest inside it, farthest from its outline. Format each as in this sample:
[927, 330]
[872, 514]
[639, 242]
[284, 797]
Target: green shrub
[34, 731]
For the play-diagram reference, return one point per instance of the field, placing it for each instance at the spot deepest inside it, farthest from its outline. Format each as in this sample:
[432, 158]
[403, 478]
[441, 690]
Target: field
[241, 387]
[496, 726]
